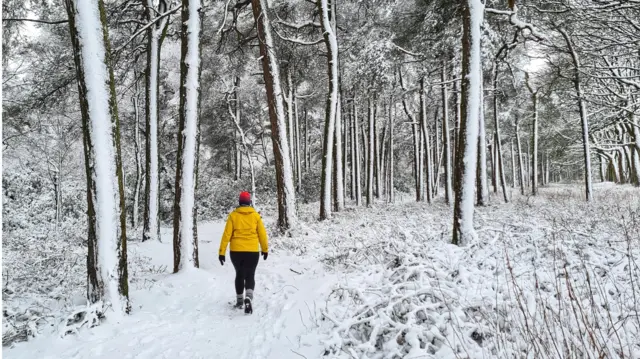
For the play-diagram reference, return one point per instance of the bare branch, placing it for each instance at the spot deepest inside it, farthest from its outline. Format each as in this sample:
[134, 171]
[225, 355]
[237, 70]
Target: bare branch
[52, 22]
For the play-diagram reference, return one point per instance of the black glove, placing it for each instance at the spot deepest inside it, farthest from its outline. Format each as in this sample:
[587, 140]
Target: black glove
[264, 255]
[221, 258]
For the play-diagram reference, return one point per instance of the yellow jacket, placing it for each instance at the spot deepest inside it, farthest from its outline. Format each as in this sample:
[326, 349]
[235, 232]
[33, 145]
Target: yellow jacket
[245, 231]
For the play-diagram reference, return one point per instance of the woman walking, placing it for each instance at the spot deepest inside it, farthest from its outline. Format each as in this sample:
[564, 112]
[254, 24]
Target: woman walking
[245, 231]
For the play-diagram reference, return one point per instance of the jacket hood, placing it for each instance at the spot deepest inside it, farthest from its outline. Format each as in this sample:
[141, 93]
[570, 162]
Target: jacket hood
[245, 210]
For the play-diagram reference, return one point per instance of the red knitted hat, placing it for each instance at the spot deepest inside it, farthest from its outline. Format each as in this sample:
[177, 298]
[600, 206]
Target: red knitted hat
[245, 198]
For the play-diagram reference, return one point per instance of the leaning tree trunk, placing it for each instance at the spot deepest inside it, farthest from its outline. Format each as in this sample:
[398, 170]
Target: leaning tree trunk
[151, 229]
[482, 192]
[330, 111]
[107, 272]
[185, 244]
[271, 73]
[583, 116]
[466, 156]
[446, 139]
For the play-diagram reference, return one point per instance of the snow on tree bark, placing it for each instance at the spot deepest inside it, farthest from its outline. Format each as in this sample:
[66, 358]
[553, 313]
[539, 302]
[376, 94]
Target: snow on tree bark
[466, 160]
[271, 74]
[184, 239]
[584, 116]
[151, 230]
[331, 108]
[107, 240]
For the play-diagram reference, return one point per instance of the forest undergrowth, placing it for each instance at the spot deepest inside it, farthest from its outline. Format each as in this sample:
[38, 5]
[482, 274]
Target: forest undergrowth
[548, 277]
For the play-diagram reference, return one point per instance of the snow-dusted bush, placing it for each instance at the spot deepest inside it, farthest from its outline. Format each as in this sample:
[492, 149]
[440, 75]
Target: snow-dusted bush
[549, 277]
[44, 260]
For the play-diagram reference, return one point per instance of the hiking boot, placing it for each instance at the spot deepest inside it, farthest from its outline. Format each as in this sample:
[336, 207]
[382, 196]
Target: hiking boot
[247, 306]
[239, 302]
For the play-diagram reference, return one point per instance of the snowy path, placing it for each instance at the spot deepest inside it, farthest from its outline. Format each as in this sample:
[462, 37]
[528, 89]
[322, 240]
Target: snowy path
[189, 316]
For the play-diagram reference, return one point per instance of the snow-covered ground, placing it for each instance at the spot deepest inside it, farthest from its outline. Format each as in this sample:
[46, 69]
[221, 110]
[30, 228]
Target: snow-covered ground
[549, 277]
[189, 315]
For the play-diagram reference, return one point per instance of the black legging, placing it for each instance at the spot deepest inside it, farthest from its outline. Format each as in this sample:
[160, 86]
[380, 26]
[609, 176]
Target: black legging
[245, 264]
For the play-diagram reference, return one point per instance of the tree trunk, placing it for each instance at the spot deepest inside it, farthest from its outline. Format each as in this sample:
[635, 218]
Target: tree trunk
[498, 142]
[635, 148]
[520, 162]
[583, 117]
[235, 117]
[482, 185]
[271, 73]
[428, 192]
[513, 166]
[151, 229]
[534, 165]
[446, 138]
[383, 159]
[466, 156]
[456, 128]
[331, 108]
[417, 168]
[298, 161]
[391, 190]
[107, 271]
[352, 144]
[307, 150]
[290, 126]
[371, 152]
[376, 152]
[338, 178]
[435, 157]
[356, 158]
[345, 149]
[185, 254]
[136, 142]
